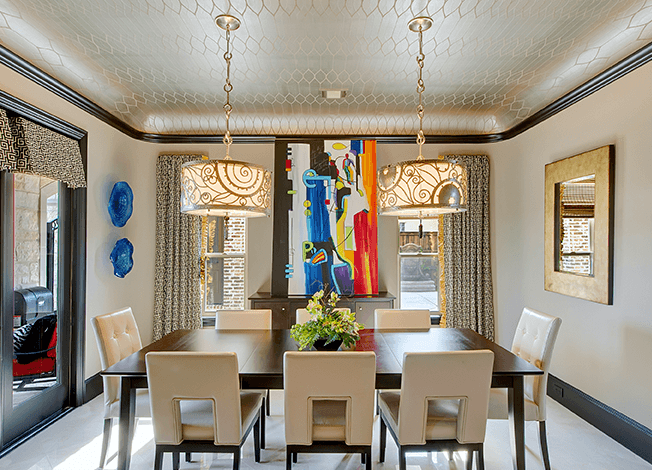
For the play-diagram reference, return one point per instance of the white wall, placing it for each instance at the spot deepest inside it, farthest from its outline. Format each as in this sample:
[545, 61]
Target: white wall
[605, 351]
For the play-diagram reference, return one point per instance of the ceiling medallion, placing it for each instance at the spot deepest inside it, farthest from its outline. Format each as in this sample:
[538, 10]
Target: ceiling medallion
[226, 188]
[422, 188]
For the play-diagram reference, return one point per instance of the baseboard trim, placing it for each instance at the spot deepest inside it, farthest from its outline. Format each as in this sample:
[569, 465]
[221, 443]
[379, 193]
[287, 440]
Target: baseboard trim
[613, 423]
[93, 386]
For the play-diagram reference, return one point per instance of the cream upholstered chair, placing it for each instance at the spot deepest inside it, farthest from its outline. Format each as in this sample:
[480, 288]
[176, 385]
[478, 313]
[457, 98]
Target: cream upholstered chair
[329, 403]
[257, 319]
[197, 405]
[442, 405]
[396, 319]
[117, 337]
[303, 315]
[534, 341]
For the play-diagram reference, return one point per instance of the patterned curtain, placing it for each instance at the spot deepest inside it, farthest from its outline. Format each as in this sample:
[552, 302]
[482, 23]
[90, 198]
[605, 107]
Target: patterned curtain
[467, 256]
[26, 147]
[177, 303]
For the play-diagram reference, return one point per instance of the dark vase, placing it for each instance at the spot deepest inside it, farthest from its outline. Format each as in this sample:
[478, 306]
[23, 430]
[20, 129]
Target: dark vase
[320, 345]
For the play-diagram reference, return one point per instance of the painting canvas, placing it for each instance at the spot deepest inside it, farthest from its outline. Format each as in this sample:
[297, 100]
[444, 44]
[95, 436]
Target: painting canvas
[332, 223]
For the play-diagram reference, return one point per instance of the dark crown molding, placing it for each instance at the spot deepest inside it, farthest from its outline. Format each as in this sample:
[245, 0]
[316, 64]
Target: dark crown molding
[630, 63]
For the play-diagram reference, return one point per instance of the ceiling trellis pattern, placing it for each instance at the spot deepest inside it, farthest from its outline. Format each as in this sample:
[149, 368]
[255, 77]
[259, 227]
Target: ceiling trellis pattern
[157, 64]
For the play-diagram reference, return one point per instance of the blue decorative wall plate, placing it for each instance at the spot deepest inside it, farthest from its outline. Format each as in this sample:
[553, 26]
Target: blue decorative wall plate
[121, 203]
[121, 257]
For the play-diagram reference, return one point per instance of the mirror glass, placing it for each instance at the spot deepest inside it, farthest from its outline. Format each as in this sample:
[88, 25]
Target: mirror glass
[574, 226]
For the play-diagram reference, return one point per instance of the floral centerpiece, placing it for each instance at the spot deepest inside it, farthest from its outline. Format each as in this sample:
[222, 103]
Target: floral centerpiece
[327, 324]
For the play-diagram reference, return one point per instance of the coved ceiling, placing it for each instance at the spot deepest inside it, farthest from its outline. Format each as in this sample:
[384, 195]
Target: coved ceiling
[157, 65]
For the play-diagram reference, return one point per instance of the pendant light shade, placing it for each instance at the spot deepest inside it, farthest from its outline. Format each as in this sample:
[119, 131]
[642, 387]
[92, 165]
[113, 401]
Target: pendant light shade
[421, 188]
[225, 188]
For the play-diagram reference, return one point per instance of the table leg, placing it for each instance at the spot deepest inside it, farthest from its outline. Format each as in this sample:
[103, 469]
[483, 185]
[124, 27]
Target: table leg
[516, 404]
[127, 420]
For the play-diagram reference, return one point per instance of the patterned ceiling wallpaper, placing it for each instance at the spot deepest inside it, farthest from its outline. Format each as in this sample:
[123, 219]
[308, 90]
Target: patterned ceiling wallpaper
[158, 66]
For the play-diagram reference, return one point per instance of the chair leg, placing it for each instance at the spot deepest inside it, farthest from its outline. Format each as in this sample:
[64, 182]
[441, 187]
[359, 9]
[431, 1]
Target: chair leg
[158, 460]
[106, 439]
[236, 460]
[480, 458]
[402, 460]
[368, 461]
[288, 460]
[362, 456]
[267, 406]
[189, 457]
[469, 460]
[383, 439]
[377, 403]
[257, 440]
[175, 460]
[262, 429]
[544, 445]
[295, 457]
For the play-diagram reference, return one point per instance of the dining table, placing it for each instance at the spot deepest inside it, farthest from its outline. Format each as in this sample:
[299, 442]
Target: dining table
[260, 361]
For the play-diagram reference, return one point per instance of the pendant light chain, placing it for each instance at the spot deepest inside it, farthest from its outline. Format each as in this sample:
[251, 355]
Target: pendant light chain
[228, 140]
[420, 89]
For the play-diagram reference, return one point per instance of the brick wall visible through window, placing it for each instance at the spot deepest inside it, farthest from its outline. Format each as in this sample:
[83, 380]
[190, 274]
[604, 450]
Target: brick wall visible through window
[223, 266]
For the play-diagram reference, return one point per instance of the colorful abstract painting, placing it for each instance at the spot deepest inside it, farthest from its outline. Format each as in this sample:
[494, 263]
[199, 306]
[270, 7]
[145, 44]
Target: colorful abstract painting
[332, 232]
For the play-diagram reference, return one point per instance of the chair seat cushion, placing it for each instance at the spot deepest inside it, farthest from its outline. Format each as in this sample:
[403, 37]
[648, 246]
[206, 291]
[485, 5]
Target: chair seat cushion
[197, 415]
[329, 420]
[142, 406]
[442, 415]
[498, 406]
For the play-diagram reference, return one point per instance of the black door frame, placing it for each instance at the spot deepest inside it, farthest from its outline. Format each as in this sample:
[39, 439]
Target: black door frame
[73, 270]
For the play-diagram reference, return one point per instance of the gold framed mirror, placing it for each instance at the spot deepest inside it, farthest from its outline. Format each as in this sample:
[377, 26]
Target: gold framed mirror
[579, 226]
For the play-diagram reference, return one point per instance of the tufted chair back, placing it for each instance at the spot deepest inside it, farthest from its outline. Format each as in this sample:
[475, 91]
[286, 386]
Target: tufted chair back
[258, 319]
[395, 319]
[117, 337]
[303, 315]
[449, 375]
[329, 396]
[534, 340]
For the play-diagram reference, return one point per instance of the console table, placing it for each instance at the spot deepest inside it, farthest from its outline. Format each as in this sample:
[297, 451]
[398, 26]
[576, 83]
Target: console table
[284, 308]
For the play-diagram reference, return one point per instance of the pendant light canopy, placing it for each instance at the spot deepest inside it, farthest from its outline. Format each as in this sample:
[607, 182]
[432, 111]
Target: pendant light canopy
[226, 188]
[422, 188]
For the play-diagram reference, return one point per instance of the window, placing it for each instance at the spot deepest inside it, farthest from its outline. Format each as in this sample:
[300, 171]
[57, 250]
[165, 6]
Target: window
[223, 264]
[418, 264]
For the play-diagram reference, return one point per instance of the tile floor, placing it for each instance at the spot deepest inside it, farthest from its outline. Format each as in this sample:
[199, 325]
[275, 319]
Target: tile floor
[74, 443]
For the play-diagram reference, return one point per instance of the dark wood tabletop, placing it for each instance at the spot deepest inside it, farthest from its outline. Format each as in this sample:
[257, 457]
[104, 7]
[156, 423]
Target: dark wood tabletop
[260, 352]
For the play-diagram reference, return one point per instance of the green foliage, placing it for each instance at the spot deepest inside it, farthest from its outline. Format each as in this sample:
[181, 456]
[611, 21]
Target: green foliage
[326, 322]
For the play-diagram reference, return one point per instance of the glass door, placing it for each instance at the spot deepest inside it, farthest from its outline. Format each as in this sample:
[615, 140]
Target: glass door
[35, 325]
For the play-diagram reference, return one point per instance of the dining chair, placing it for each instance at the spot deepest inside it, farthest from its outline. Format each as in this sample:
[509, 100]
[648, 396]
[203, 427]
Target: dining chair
[303, 315]
[197, 405]
[397, 319]
[329, 403]
[442, 404]
[534, 341]
[256, 319]
[117, 337]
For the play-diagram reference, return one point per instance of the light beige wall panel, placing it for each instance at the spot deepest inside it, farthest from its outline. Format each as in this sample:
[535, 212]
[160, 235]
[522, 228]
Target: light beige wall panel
[602, 350]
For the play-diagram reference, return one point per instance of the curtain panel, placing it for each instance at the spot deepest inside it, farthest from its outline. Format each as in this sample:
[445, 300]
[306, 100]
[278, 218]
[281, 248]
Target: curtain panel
[177, 303]
[468, 287]
[26, 147]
